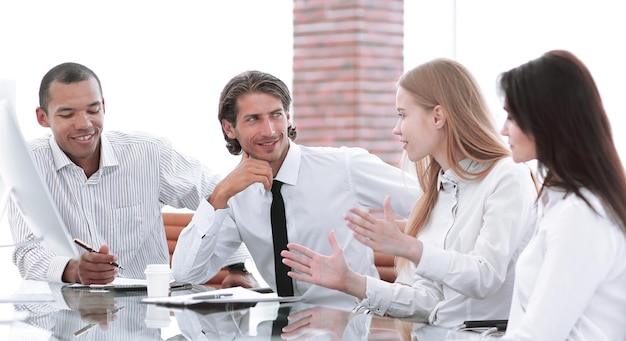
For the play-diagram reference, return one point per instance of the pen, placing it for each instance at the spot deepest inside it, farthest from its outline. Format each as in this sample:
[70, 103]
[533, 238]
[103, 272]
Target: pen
[211, 296]
[88, 248]
[180, 286]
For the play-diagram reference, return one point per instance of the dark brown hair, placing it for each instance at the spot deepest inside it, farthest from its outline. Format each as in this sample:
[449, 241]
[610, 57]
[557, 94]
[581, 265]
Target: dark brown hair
[555, 100]
[250, 82]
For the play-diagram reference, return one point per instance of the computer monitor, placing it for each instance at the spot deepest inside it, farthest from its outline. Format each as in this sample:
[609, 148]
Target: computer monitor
[25, 186]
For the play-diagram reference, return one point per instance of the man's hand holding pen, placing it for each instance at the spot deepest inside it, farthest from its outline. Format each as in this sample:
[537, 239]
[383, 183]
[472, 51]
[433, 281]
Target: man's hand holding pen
[93, 267]
[90, 249]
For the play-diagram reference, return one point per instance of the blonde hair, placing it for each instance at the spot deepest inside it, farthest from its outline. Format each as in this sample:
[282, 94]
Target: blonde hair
[469, 127]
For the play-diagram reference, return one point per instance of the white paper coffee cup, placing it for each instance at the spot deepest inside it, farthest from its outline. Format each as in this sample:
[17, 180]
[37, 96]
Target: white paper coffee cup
[157, 317]
[158, 277]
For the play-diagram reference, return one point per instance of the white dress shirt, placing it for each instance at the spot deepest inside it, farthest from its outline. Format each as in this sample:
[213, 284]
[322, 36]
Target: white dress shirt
[471, 242]
[119, 205]
[320, 185]
[571, 278]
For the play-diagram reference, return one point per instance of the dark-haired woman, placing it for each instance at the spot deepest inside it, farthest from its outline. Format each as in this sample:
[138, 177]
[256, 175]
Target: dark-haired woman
[571, 279]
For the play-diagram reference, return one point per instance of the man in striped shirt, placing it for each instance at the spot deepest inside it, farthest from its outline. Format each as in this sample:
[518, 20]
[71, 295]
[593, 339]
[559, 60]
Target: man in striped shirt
[109, 187]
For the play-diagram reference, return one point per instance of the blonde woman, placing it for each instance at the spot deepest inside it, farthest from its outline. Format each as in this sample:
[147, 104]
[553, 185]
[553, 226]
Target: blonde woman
[457, 251]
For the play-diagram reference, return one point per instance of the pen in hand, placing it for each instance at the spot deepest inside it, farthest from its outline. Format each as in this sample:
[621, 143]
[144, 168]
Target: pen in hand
[88, 248]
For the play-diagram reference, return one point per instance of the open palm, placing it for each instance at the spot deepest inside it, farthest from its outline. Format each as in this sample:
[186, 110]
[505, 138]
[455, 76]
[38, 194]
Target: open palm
[312, 267]
[383, 235]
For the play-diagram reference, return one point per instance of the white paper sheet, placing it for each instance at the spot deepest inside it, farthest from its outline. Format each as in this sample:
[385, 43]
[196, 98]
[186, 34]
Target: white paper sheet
[229, 295]
[118, 282]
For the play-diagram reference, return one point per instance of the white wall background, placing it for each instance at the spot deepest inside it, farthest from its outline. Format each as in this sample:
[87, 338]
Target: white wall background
[163, 63]
[492, 36]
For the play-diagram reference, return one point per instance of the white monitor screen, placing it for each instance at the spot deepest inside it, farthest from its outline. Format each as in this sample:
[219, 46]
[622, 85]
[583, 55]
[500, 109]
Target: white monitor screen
[27, 189]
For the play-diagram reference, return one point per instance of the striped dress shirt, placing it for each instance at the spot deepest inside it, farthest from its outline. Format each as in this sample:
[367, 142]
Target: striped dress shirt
[120, 205]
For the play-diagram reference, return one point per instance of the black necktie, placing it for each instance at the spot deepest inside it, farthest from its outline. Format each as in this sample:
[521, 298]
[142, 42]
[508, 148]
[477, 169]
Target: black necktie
[284, 285]
[281, 320]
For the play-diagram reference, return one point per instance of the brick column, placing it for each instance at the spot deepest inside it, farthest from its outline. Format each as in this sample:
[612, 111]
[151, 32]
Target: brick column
[347, 56]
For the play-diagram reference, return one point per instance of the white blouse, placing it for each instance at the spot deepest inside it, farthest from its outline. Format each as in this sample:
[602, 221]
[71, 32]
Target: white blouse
[471, 243]
[571, 279]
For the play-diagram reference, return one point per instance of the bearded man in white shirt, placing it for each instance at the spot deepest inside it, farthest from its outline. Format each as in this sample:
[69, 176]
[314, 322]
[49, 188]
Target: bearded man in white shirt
[320, 184]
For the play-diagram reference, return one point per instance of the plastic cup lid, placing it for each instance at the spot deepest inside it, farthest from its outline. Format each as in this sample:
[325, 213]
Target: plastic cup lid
[158, 268]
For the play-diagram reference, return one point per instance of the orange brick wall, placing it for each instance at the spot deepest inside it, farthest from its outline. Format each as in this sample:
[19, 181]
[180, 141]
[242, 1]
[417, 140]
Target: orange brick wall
[347, 57]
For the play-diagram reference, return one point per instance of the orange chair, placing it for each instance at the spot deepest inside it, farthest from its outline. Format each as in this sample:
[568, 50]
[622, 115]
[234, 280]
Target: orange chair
[385, 265]
[174, 223]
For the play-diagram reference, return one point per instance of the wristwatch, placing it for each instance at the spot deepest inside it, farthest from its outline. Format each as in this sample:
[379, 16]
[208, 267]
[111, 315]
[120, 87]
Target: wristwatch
[237, 267]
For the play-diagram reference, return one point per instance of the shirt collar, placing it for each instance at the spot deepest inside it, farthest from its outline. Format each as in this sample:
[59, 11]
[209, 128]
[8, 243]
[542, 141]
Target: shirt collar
[551, 195]
[60, 159]
[58, 156]
[107, 155]
[289, 170]
[449, 177]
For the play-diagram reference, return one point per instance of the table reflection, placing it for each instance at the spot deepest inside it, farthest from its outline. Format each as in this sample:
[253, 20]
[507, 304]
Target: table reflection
[79, 314]
[266, 320]
[423, 332]
[91, 315]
